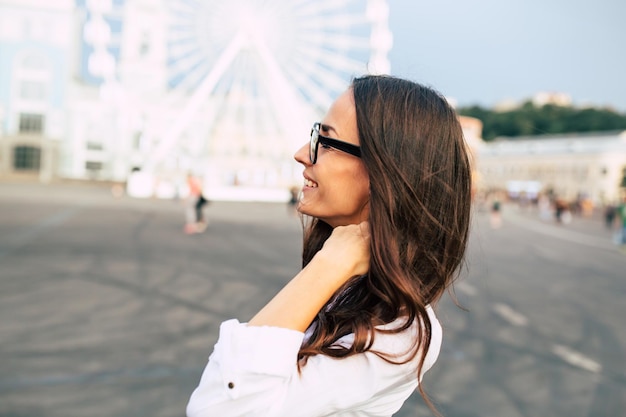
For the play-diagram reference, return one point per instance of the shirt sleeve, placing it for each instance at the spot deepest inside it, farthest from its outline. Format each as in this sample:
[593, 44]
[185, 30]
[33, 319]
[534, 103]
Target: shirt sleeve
[247, 371]
[252, 372]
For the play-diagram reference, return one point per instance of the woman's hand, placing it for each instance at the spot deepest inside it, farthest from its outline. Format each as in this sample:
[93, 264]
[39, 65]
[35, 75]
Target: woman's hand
[345, 254]
[347, 250]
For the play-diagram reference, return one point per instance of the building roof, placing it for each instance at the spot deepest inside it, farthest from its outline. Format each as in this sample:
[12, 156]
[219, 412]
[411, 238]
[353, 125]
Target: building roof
[588, 142]
[563, 136]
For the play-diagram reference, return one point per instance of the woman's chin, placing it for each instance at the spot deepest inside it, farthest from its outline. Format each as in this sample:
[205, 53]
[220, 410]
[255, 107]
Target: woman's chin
[301, 207]
[306, 209]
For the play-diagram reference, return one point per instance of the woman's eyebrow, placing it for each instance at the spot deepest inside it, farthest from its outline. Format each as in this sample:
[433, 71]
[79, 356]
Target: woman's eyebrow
[328, 128]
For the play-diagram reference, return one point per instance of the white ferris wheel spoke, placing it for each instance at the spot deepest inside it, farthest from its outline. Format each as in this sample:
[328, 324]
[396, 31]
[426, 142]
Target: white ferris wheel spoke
[290, 102]
[346, 42]
[182, 49]
[256, 101]
[340, 61]
[196, 100]
[316, 93]
[316, 7]
[332, 22]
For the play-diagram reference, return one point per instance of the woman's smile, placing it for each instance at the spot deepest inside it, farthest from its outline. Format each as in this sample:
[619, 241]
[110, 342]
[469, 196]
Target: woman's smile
[336, 186]
[308, 183]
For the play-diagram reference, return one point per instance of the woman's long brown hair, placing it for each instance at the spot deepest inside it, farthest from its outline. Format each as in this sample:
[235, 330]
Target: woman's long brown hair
[419, 213]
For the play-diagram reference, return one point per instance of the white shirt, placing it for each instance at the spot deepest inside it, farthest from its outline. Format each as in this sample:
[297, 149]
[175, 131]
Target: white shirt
[252, 372]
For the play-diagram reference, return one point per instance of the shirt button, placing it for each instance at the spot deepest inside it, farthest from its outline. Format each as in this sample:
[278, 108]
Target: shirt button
[231, 385]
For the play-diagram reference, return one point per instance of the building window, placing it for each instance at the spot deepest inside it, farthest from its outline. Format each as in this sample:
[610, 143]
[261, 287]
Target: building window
[93, 166]
[144, 46]
[32, 90]
[34, 62]
[137, 136]
[31, 123]
[26, 158]
[94, 146]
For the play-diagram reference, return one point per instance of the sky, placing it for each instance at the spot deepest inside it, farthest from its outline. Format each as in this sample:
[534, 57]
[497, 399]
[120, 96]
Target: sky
[487, 51]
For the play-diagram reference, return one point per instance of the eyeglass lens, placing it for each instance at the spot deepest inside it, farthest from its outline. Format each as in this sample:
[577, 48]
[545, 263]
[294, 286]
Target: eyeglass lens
[315, 133]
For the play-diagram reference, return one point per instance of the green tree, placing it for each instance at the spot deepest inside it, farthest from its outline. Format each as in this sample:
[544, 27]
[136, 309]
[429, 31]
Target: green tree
[529, 119]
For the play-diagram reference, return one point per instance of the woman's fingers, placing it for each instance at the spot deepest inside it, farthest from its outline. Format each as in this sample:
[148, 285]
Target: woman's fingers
[349, 246]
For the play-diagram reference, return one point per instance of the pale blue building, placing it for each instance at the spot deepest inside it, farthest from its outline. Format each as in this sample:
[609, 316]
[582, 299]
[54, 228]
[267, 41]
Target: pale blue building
[44, 69]
[100, 89]
[35, 67]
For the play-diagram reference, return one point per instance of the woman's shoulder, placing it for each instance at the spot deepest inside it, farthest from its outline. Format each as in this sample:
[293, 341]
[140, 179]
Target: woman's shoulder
[413, 328]
[402, 344]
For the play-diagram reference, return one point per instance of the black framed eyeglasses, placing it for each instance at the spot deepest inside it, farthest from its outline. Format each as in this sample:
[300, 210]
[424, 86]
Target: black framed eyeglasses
[316, 139]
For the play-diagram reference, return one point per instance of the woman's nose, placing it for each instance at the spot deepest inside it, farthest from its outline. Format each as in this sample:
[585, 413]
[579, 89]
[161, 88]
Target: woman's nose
[302, 155]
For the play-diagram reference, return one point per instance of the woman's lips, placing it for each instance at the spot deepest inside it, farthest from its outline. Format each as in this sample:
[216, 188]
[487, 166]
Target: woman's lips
[309, 183]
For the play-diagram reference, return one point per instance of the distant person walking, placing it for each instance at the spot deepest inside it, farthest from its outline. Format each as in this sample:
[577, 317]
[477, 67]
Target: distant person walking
[609, 215]
[496, 214]
[293, 201]
[561, 212]
[621, 214]
[195, 206]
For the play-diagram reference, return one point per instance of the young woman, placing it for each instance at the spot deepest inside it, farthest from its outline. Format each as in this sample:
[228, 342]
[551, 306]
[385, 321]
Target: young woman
[387, 191]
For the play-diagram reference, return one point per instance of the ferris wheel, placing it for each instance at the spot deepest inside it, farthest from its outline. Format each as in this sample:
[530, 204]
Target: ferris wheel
[263, 70]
